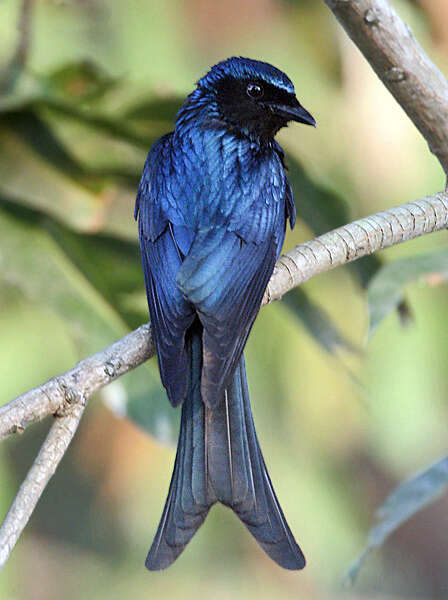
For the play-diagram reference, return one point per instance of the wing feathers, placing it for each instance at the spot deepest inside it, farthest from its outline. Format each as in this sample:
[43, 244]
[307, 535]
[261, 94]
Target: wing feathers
[171, 314]
[220, 261]
[210, 232]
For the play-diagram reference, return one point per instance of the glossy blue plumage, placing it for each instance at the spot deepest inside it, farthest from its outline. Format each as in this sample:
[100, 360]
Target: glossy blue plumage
[222, 202]
[243, 68]
[213, 203]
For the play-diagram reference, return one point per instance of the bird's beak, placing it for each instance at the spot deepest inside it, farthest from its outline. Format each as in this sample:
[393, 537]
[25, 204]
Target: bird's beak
[296, 112]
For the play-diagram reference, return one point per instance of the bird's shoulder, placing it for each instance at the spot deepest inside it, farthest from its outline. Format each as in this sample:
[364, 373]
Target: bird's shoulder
[155, 203]
[151, 169]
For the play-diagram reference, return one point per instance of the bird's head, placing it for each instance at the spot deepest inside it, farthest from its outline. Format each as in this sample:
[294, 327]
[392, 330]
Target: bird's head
[253, 97]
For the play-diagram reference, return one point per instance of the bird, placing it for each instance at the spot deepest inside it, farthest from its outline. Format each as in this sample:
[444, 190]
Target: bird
[212, 208]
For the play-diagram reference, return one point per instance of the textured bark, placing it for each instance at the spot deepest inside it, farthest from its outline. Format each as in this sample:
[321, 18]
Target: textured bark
[362, 237]
[402, 65]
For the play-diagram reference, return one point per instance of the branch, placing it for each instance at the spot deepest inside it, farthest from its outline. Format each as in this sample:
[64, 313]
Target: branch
[326, 252]
[20, 56]
[65, 396]
[360, 238]
[402, 65]
[44, 466]
[69, 389]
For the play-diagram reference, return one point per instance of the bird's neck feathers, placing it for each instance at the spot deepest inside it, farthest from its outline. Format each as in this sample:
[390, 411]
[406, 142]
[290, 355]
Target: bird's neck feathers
[200, 112]
[197, 109]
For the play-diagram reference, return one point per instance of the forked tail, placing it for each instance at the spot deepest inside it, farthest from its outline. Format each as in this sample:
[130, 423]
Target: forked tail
[219, 460]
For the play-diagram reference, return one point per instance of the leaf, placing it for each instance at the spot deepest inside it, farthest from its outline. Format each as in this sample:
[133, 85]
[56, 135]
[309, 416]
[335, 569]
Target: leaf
[78, 81]
[27, 125]
[316, 321]
[38, 171]
[405, 501]
[386, 289]
[157, 109]
[28, 177]
[111, 265]
[141, 135]
[323, 210]
[43, 138]
[74, 173]
[74, 82]
[319, 207]
[115, 127]
[32, 262]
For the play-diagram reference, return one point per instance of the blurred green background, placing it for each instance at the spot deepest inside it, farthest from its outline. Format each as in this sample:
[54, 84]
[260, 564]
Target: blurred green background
[342, 420]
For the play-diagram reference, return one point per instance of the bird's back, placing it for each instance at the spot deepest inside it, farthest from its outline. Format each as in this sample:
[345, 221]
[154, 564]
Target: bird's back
[211, 179]
[213, 204]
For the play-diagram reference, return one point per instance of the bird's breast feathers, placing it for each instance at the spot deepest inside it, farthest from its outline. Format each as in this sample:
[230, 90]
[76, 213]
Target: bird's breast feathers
[207, 180]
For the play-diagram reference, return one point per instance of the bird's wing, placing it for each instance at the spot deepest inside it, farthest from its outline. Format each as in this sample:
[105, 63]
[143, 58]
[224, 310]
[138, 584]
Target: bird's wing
[216, 267]
[231, 259]
[170, 313]
[226, 283]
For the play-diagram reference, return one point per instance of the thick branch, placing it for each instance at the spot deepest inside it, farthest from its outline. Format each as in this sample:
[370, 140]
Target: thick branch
[402, 65]
[362, 237]
[330, 250]
[44, 466]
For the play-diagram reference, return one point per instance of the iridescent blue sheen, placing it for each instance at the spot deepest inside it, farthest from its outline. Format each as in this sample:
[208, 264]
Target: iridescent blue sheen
[213, 204]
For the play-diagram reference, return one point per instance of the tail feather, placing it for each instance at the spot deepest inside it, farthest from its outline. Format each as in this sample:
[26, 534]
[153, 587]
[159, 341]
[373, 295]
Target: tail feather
[187, 504]
[219, 460]
[265, 520]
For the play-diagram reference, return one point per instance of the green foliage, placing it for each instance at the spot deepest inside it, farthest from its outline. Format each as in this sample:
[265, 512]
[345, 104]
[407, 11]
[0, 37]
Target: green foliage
[402, 504]
[78, 82]
[386, 289]
[317, 322]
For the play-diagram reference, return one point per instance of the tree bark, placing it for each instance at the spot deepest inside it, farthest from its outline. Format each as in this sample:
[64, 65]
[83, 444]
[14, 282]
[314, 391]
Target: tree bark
[402, 65]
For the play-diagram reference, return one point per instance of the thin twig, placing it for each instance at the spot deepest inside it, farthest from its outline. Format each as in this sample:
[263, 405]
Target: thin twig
[402, 65]
[326, 252]
[20, 56]
[43, 468]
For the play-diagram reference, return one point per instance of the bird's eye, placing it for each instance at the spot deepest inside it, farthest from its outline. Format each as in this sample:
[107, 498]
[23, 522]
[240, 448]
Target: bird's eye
[254, 90]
